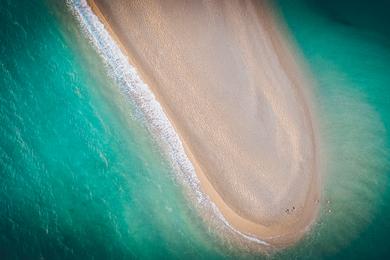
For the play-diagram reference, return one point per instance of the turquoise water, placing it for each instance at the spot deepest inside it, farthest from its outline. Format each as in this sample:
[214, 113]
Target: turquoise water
[81, 176]
[347, 47]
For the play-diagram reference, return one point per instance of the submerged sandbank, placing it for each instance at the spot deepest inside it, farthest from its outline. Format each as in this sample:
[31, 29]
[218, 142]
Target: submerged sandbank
[232, 90]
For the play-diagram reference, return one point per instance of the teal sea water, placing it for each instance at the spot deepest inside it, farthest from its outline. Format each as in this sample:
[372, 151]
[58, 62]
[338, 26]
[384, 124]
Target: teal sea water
[81, 176]
[347, 48]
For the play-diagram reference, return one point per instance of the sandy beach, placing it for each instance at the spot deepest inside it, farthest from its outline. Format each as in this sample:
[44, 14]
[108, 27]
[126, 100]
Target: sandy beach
[230, 84]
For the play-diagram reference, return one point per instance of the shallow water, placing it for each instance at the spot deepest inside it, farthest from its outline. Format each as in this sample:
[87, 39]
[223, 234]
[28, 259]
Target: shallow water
[81, 176]
[347, 48]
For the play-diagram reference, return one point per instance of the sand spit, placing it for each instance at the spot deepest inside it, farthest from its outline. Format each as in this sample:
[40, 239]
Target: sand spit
[230, 86]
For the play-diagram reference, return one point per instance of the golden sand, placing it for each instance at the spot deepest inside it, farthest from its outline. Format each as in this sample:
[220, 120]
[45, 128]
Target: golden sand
[232, 88]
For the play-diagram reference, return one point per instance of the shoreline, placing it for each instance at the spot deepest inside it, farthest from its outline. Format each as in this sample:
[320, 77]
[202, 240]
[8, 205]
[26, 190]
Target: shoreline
[277, 235]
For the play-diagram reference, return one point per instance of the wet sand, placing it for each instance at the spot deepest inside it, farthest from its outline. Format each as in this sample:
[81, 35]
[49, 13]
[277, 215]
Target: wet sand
[231, 86]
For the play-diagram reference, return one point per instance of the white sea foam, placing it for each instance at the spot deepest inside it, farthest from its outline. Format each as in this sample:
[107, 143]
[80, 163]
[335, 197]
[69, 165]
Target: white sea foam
[139, 93]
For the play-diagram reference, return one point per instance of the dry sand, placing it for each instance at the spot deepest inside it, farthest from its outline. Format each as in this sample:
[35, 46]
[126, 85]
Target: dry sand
[233, 90]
